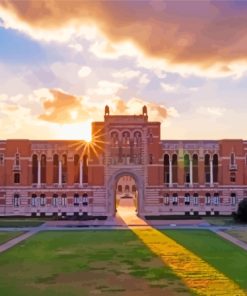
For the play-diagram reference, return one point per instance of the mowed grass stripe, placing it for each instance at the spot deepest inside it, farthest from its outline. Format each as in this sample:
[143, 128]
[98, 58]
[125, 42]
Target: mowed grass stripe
[197, 274]
[71, 263]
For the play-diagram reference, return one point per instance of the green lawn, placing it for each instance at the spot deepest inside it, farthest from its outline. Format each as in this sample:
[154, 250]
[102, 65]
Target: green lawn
[85, 263]
[220, 221]
[20, 222]
[5, 236]
[239, 234]
[223, 255]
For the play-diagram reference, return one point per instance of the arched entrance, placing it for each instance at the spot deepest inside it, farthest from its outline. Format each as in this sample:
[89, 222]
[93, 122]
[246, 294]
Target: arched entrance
[112, 191]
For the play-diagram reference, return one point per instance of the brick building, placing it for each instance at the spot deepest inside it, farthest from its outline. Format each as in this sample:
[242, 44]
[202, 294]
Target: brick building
[168, 177]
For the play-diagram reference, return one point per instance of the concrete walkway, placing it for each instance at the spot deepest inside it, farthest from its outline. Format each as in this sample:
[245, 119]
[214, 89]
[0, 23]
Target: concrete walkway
[231, 238]
[11, 243]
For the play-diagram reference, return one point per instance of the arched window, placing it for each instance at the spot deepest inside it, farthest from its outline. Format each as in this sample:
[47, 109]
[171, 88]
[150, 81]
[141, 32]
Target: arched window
[187, 199]
[43, 168]
[64, 168]
[34, 200]
[76, 199]
[166, 199]
[208, 198]
[126, 188]
[134, 188]
[17, 200]
[166, 169]
[187, 168]
[42, 200]
[55, 168]
[207, 168]
[119, 188]
[17, 159]
[55, 200]
[233, 199]
[215, 168]
[195, 197]
[195, 168]
[34, 169]
[174, 168]
[64, 200]
[17, 178]
[175, 199]
[76, 168]
[85, 169]
[216, 199]
[85, 199]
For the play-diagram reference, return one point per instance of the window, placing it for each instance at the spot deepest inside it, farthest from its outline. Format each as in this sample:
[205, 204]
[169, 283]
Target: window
[208, 199]
[16, 178]
[119, 188]
[34, 200]
[233, 199]
[17, 159]
[232, 159]
[174, 199]
[1, 159]
[76, 199]
[16, 200]
[195, 198]
[216, 199]
[245, 159]
[150, 158]
[85, 199]
[54, 200]
[232, 177]
[166, 199]
[64, 200]
[187, 199]
[42, 200]
[134, 188]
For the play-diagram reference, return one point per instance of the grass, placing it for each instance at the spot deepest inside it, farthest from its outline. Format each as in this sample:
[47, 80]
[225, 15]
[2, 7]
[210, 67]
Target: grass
[240, 234]
[6, 236]
[220, 221]
[85, 263]
[221, 254]
[20, 222]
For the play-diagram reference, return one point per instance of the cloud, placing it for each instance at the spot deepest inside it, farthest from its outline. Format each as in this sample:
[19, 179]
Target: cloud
[106, 88]
[212, 111]
[126, 74]
[169, 87]
[61, 107]
[84, 71]
[204, 37]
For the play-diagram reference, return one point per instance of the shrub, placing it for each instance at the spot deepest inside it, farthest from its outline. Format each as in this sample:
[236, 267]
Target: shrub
[242, 211]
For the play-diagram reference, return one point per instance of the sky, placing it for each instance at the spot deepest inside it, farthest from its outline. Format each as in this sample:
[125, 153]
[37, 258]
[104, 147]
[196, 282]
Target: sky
[61, 62]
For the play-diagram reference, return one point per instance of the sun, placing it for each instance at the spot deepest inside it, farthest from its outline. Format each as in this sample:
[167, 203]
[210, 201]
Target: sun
[75, 131]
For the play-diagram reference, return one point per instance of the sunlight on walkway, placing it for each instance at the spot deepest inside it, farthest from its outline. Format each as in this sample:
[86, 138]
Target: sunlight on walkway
[197, 274]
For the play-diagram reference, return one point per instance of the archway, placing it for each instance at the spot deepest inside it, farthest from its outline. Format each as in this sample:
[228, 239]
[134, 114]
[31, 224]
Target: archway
[126, 193]
[112, 184]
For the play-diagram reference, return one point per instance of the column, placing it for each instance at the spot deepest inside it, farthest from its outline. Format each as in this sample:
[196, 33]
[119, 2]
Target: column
[170, 173]
[39, 172]
[191, 173]
[60, 173]
[211, 173]
[81, 173]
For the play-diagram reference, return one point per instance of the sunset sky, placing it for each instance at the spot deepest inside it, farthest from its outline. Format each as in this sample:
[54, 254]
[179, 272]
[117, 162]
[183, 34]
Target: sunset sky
[61, 62]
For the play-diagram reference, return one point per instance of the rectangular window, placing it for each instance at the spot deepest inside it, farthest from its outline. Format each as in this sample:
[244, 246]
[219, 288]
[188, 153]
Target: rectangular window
[34, 201]
[175, 200]
[195, 200]
[216, 200]
[54, 201]
[166, 200]
[16, 200]
[16, 178]
[233, 177]
[208, 199]
[76, 200]
[233, 199]
[42, 200]
[64, 201]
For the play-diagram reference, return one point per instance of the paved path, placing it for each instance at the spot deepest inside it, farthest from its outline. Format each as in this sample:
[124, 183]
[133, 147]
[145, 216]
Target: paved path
[231, 238]
[11, 243]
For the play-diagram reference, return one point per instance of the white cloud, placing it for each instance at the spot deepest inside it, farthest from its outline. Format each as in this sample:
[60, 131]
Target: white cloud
[213, 111]
[106, 88]
[169, 87]
[76, 47]
[126, 74]
[172, 112]
[84, 71]
[144, 79]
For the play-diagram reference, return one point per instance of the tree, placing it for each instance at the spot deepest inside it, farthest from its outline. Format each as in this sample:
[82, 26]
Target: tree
[242, 211]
